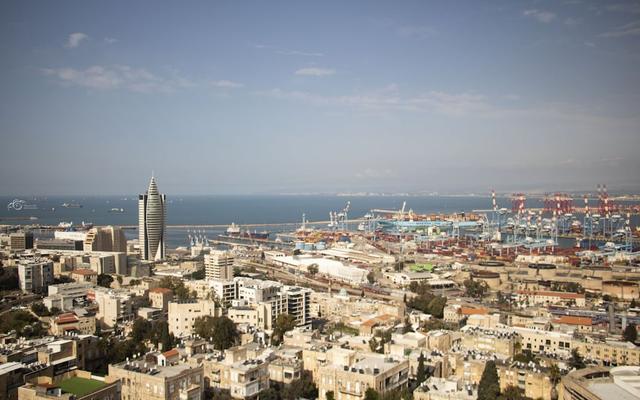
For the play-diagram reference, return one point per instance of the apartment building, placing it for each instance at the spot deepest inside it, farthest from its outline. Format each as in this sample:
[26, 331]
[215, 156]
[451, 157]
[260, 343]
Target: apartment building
[182, 315]
[35, 274]
[114, 306]
[145, 378]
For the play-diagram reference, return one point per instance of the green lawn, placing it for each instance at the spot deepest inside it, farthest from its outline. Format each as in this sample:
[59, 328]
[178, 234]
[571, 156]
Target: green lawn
[81, 386]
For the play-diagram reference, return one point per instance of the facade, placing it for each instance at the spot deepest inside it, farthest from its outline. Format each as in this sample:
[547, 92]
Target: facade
[145, 378]
[160, 298]
[70, 322]
[542, 297]
[66, 296]
[182, 315]
[21, 241]
[105, 238]
[152, 214]
[114, 306]
[35, 275]
[371, 370]
[218, 265]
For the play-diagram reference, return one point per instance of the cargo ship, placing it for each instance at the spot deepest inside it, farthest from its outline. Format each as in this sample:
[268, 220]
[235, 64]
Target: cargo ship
[264, 235]
[71, 205]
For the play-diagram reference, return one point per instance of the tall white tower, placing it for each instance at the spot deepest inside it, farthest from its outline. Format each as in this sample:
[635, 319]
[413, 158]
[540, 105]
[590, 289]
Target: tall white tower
[152, 214]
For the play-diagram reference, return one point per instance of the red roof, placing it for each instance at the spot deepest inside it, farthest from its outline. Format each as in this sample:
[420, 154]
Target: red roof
[84, 272]
[573, 320]
[473, 311]
[161, 290]
[66, 318]
[171, 353]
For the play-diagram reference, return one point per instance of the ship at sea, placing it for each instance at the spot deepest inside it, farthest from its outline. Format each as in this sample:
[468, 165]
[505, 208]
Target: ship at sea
[71, 205]
[116, 210]
[233, 229]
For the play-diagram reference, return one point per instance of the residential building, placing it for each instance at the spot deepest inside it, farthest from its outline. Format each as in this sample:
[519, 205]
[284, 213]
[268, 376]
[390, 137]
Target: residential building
[145, 378]
[182, 315]
[160, 298]
[66, 296]
[114, 306]
[35, 274]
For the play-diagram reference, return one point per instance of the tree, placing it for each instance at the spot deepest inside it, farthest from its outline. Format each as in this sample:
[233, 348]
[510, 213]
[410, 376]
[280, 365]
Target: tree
[630, 333]
[554, 374]
[475, 289]
[421, 373]
[219, 330]
[312, 269]
[371, 394]
[40, 309]
[105, 280]
[512, 393]
[141, 330]
[633, 304]
[489, 387]
[302, 387]
[284, 323]
[9, 279]
[177, 286]
[199, 274]
[330, 395]
[576, 361]
[371, 277]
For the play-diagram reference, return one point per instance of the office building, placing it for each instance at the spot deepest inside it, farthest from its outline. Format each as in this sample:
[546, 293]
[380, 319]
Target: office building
[218, 265]
[105, 238]
[152, 214]
[21, 241]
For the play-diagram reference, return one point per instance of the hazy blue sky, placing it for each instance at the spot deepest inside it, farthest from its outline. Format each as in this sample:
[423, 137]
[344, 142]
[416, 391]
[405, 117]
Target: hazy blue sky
[255, 97]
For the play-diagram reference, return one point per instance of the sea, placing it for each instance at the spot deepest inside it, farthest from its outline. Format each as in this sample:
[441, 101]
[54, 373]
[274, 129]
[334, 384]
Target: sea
[227, 209]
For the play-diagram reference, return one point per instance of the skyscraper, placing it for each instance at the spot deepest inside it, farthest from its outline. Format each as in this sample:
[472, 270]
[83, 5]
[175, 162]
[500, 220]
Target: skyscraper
[152, 214]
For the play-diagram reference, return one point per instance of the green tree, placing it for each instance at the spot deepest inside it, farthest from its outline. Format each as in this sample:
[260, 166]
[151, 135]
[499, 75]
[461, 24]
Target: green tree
[9, 279]
[40, 309]
[421, 373]
[221, 331]
[312, 269]
[141, 330]
[105, 280]
[576, 360]
[633, 304]
[489, 386]
[330, 395]
[630, 333]
[302, 387]
[284, 323]
[177, 286]
[199, 274]
[371, 394]
[475, 289]
[554, 374]
[512, 393]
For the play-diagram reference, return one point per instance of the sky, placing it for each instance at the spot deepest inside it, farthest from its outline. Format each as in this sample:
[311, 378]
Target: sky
[307, 97]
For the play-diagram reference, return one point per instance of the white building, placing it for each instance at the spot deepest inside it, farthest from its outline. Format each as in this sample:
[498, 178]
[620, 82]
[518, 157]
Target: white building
[333, 268]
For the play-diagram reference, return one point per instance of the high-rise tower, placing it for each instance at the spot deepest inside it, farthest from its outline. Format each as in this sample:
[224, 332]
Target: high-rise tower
[152, 215]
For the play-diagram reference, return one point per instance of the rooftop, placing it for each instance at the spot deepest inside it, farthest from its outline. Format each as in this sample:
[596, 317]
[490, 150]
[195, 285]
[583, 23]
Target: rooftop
[81, 386]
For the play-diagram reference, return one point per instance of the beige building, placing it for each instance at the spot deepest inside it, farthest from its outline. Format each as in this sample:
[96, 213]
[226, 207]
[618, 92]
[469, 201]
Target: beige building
[114, 306]
[146, 379]
[70, 322]
[350, 381]
[542, 297]
[243, 370]
[500, 343]
[160, 298]
[218, 265]
[608, 352]
[105, 238]
[182, 315]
